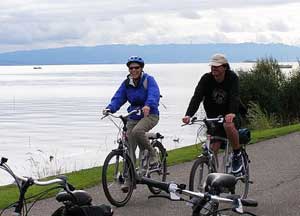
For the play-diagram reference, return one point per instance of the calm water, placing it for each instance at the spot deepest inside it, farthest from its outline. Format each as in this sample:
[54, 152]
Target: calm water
[55, 111]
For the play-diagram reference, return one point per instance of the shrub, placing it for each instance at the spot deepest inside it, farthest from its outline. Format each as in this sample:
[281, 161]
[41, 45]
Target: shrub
[258, 118]
[263, 85]
[290, 98]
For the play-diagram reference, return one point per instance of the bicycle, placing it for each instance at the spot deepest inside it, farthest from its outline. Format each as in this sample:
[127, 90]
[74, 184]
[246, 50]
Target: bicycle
[208, 202]
[208, 162]
[75, 202]
[118, 168]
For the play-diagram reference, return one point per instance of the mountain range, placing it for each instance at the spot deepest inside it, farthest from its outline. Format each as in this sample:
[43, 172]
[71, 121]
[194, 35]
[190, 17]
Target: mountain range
[165, 53]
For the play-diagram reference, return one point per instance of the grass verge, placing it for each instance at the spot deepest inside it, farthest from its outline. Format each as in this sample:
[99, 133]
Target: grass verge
[91, 177]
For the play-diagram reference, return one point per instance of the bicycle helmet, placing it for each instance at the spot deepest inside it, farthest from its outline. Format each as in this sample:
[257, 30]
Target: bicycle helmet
[135, 59]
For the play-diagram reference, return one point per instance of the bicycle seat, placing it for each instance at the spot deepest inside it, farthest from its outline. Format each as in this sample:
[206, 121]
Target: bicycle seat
[79, 197]
[220, 182]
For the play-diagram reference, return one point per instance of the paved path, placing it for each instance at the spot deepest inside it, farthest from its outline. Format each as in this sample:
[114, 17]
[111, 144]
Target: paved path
[275, 170]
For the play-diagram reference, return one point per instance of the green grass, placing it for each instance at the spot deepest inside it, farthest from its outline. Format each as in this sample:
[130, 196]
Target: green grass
[258, 136]
[91, 177]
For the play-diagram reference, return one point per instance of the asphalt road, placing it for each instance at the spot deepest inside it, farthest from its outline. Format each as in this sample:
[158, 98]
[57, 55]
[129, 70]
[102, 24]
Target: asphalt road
[275, 171]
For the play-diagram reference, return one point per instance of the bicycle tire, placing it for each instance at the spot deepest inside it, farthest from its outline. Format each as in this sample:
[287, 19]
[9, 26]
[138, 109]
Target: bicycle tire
[59, 211]
[202, 166]
[117, 169]
[242, 185]
[162, 172]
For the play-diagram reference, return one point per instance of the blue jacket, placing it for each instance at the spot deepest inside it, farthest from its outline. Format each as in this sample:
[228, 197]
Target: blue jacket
[138, 96]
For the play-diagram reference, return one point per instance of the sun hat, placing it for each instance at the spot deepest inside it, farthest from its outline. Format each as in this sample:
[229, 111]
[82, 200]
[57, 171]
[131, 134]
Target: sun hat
[218, 59]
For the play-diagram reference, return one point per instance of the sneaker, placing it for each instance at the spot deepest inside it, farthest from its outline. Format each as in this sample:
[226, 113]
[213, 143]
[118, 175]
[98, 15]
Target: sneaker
[237, 163]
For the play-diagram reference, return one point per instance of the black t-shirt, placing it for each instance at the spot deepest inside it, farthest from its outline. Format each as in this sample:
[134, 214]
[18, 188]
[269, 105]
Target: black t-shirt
[218, 98]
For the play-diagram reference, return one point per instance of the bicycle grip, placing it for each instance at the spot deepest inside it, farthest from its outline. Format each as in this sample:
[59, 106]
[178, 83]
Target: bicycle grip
[152, 183]
[249, 202]
[3, 160]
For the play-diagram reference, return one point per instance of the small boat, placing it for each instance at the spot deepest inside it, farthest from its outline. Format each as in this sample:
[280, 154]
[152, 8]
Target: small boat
[285, 66]
[249, 61]
[37, 67]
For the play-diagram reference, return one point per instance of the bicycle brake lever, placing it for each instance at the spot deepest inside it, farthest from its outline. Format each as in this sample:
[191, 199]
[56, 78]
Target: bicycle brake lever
[3, 160]
[104, 117]
[221, 119]
[194, 119]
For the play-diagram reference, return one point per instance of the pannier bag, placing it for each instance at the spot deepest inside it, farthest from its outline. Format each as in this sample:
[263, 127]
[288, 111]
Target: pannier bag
[244, 135]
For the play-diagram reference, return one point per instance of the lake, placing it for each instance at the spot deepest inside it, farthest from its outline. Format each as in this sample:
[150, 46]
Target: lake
[55, 110]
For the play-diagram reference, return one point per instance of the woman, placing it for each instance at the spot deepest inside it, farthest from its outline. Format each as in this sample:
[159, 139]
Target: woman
[142, 92]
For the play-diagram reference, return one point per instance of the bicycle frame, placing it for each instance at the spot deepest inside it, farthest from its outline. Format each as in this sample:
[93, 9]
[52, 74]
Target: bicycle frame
[125, 175]
[123, 141]
[206, 147]
[208, 161]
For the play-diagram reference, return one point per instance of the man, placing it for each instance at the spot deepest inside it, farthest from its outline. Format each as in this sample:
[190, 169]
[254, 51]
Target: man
[219, 91]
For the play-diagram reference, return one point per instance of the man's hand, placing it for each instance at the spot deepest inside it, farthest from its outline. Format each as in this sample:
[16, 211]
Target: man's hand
[229, 117]
[146, 111]
[106, 111]
[186, 119]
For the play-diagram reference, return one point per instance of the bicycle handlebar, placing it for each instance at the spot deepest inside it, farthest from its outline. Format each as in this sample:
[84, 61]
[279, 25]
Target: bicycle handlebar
[62, 180]
[121, 116]
[176, 190]
[43, 183]
[219, 119]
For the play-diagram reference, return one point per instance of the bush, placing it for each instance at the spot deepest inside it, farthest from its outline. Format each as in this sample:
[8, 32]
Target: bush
[259, 119]
[290, 98]
[263, 85]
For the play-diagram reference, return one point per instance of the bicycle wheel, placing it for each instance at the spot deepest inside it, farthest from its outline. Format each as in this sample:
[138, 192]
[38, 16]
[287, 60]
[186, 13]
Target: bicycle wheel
[200, 169]
[59, 211]
[116, 173]
[159, 173]
[242, 185]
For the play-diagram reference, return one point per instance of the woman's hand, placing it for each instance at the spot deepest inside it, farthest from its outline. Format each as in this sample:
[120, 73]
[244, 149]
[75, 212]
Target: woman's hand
[146, 111]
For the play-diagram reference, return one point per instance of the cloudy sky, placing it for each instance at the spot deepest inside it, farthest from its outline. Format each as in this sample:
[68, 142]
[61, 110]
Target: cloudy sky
[36, 24]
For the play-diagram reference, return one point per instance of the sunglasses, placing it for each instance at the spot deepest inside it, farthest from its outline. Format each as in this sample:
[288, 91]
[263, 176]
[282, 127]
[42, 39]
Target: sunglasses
[136, 67]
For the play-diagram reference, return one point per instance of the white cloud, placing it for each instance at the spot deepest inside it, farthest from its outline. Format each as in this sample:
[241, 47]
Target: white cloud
[279, 26]
[32, 24]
